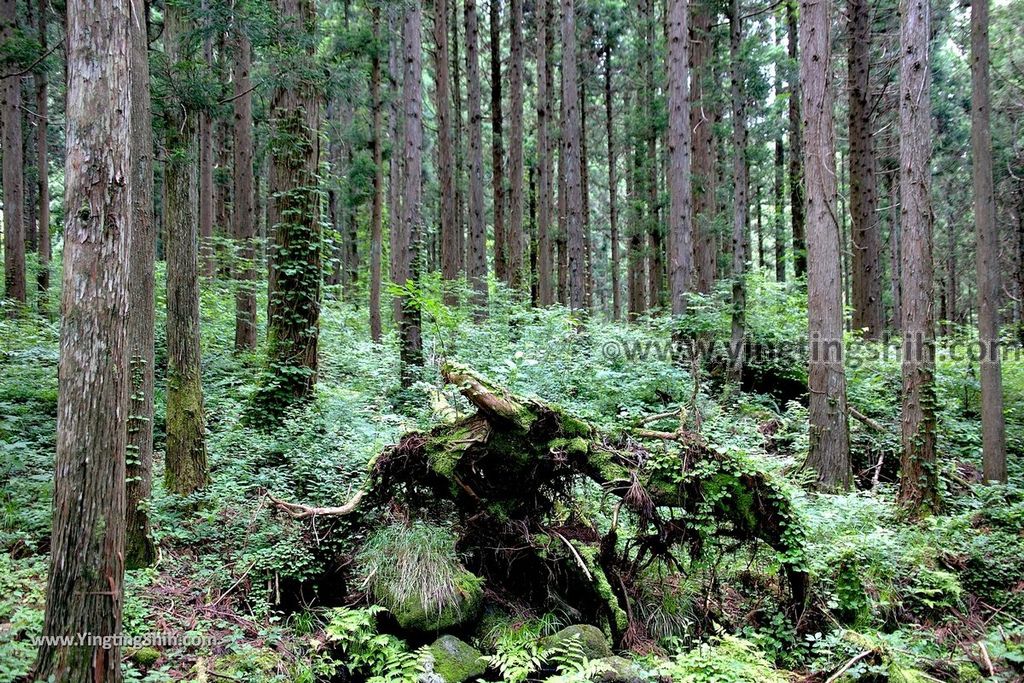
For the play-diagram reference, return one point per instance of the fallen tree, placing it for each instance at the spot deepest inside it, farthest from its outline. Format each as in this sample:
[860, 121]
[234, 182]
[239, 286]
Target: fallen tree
[507, 474]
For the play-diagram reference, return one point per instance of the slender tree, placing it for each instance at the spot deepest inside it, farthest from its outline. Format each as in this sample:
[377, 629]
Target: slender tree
[701, 120]
[42, 126]
[139, 548]
[498, 147]
[377, 201]
[796, 173]
[186, 466]
[476, 257]
[84, 594]
[865, 234]
[778, 179]
[829, 452]
[545, 294]
[515, 239]
[918, 466]
[242, 176]
[409, 240]
[575, 237]
[207, 190]
[613, 181]
[741, 186]
[451, 259]
[680, 228]
[13, 168]
[993, 426]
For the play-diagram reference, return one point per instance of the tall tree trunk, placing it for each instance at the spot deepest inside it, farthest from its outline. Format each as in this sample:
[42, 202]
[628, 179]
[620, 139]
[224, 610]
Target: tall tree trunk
[207, 198]
[13, 173]
[896, 276]
[796, 174]
[561, 243]
[636, 274]
[139, 548]
[655, 246]
[186, 467]
[741, 182]
[377, 208]
[829, 452]
[613, 181]
[395, 131]
[295, 287]
[778, 181]
[515, 237]
[84, 591]
[43, 276]
[498, 148]
[703, 153]
[545, 295]
[993, 427]
[865, 236]
[680, 226]
[451, 260]
[575, 237]
[409, 239]
[918, 465]
[244, 214]
[460, 150]
[477, 253]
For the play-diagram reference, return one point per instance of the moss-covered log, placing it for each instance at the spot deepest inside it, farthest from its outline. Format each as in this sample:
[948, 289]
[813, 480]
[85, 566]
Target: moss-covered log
[506, 468]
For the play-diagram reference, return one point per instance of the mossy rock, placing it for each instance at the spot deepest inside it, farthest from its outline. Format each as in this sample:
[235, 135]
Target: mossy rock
[414, 615]
[456, 661]
[591, 638]
[617, 669]
[146, 656]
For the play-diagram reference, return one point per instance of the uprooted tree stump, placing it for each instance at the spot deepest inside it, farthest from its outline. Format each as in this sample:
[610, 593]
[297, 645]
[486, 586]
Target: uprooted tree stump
[508, 469]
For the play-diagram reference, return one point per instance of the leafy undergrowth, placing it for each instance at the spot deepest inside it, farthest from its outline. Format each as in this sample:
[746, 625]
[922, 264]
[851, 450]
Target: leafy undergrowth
[255, 596]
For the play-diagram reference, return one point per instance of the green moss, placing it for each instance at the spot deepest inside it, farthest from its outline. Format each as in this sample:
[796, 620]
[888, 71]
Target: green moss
[414, 616]
[145, 656]
[444, 451]
[456, 661]
[592, 640]
[604, 589]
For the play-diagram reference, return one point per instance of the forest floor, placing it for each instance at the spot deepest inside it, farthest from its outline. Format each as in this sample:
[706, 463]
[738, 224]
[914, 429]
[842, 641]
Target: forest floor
[254, 595]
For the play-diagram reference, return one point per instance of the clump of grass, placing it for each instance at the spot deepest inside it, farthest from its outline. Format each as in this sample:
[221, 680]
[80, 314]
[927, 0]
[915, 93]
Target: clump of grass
[406, 563]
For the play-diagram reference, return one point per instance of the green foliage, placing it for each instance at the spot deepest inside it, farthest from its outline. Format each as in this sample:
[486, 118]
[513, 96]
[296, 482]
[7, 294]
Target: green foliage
[724, 660]
[382, 657]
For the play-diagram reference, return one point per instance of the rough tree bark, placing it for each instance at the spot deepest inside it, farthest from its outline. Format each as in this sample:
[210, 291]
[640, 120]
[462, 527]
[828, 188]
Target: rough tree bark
[84, 589]
[244, 214]
[377, 208]
[829, 452]
[451, 261]
[545, 293]
[139, 548]
[13, 171]
[515, 239]
[703, 154]
[680, 228]
[993, 426]
[476, 257]
[575, 237]
[865, 234]
[778, 180]
[497, 147]
[918, 466]
[613, 181]
[295, 282]
[206, 185]
[186, 467]
[409, 240]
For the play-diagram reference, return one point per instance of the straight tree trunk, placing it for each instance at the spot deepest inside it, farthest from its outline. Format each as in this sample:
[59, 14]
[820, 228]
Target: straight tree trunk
[84, 594]
[477, 252]
[796, 173]
[377, 208]
[636, 273]
[918, 465]
[460, 150]
[892, 191]
[741, 182]
[186, 467]
[295, 286]
[545, 294]
[498, 148]
[575, 237]
[139, 548]
[655, 246]
[561, 243]
[829, 452]
[613, 182]
[43, 276]
[395, 131]
[244, 215]
[701, 118]
[866, 238]
[409, 239]
[207, 199]
[680, 227]
[515, 237]
[451, 260]
[13, 173]
[993, 426]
